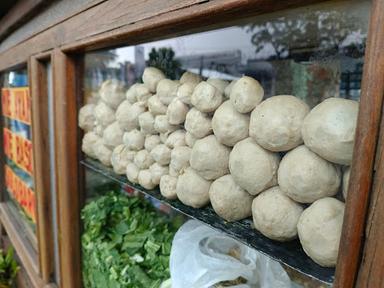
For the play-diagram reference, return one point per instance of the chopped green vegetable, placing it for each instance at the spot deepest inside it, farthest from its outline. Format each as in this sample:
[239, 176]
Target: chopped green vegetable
[125, 244]
[8, 268]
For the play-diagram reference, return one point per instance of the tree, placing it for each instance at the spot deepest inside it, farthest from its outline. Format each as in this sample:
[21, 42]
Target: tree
[163, 59]
[320, 30]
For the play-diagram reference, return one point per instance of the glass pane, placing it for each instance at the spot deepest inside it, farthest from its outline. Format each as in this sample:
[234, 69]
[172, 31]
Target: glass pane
[314, 56]
[313, 53]
[17, 135]
[55, 230]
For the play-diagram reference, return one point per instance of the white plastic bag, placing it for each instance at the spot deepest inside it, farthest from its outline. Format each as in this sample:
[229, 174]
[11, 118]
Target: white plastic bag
[200, 258]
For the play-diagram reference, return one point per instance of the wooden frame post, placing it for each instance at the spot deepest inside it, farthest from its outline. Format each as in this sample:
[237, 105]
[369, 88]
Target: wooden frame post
[66, 154]
[40, 138]
[371, 270]
[368, 127]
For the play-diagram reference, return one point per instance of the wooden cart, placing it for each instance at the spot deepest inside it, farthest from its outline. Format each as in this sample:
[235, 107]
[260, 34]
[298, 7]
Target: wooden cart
[51, 39]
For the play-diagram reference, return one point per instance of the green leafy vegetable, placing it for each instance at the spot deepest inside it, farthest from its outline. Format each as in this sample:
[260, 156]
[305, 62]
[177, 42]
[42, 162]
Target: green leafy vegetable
[8, 268]
[126, 243]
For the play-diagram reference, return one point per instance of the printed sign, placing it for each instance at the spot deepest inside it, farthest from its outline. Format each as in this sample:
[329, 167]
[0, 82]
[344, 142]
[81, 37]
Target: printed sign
[17, 136]
[16, 104]
[20, 192]
[19, 150]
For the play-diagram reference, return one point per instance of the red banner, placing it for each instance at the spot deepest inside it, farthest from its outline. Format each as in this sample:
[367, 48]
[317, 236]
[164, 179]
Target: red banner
[20, 192]
[16, 104]
[16, 108]
[19, 150]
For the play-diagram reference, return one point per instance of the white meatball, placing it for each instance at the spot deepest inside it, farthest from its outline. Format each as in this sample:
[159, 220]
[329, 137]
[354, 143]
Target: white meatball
[134, 140]
[189, 77]
[161, 154]
[229, 200]
[151, 141]
[87, 117]
[192, 189]
[142, 93]
[329, 129]
[220, 84]
[184, 92]
[112, 92]
[120, 158]
[173, 172]
[155, 106]
[163, 126]
[131, 94]
[206, 97]
[143, 160]
[113, 135]
[175, 139]
[198, 124]
[275, 215]
[210, 158]
[104, 114]
[129, 117]
[103, 152]
[228, 89]
[99, 130]
[164, 137]
[319, 230]
[151, 77]
[167, 90]
[168, 187]
[177, 112]
[190, 139]
[147, 123]
[145, 179]
[88, 143]
[157, 171]
[229, 126]
[276, 123]
[253, 168]
[132, 173]
[246, 94]
[306, 177]
[180, 158]
[121, 114]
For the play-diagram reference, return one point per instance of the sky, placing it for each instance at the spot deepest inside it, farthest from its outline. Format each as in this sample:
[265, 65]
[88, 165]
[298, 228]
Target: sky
[236, 37]
[227, 39]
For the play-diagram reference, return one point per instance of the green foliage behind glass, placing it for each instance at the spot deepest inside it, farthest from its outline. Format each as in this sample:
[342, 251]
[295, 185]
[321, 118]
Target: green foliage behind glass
[164, 59]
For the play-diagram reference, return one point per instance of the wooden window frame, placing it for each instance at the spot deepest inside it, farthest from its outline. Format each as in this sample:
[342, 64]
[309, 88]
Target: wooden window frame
[40, 127]
[67, 167]
[36, 257]
[370, 272]
[364, 184]
[20, 13]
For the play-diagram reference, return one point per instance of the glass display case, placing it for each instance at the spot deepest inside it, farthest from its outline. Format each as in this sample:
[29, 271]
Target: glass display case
[316, 56]
[259, 119]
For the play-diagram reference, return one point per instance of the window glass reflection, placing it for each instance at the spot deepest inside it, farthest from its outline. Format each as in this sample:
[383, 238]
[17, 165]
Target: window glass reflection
[17, 148]
[312, 53]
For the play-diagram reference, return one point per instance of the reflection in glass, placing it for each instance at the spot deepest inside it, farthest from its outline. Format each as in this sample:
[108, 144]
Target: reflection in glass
[17, 148]
[312, 53]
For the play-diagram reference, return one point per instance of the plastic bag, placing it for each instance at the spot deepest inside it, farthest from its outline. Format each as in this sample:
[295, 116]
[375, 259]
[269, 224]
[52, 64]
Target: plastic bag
[202, 257]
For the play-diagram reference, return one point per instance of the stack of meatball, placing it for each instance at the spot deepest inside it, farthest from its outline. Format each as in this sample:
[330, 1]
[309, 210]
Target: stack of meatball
[218, 142]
